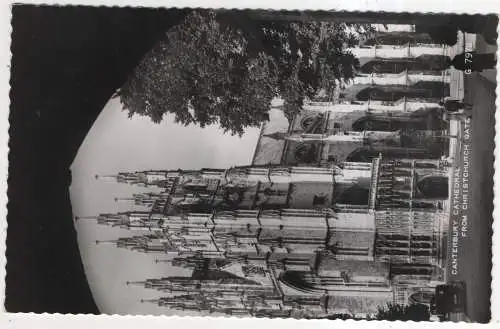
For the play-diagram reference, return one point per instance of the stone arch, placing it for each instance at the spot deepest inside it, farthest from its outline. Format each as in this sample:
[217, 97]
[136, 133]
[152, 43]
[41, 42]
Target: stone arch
[356, 194]
[387, 93]
[393, 123]
[297, 280]
[370, 122]
[386, 66]
[368, 93]
[362, 154]
[433, 187]
[420, 90]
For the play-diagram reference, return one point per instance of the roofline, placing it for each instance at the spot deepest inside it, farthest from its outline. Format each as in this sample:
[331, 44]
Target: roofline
[286, 145]
[257, 147]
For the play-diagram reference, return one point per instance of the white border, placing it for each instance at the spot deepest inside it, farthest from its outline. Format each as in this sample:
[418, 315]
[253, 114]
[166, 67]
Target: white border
[5, 31]
[8, 320]
[449, 6]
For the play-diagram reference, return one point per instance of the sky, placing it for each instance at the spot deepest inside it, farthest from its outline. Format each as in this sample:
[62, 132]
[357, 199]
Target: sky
[117, 143]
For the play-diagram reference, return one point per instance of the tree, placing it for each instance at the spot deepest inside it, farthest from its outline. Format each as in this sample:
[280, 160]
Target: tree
[226, 67]
[394, 312]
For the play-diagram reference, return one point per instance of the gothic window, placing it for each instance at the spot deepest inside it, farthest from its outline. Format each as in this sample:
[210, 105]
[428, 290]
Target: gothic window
[435, 187]
[373, 123]
[432, 88]
[361, 124]
[355, 195]
[386, 66]
[306, 153]
[362, 154]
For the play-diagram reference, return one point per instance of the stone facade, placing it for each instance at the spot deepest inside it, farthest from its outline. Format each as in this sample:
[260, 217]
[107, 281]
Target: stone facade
[341, 211]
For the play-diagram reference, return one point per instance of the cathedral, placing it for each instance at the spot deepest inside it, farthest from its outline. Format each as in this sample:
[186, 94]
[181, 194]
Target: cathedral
[343, 209]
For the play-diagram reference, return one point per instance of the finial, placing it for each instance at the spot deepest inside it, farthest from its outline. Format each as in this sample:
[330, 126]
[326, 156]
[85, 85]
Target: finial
[105, 241]
[123, 199]
[104, 176]
[77, 218]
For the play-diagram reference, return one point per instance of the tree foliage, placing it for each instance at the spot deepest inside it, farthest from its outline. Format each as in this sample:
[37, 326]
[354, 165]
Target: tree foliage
[394, 312]
[226, 67]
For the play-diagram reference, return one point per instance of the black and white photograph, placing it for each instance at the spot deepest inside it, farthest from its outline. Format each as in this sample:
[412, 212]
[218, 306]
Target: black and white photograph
[251, 163]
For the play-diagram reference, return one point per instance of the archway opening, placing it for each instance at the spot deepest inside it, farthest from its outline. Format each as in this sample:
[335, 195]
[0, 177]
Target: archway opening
[356, 195]
[435, 187]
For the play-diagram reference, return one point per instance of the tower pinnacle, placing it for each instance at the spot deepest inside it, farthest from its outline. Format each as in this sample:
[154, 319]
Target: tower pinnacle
[106, 241]
[154, 301]
[77, 218]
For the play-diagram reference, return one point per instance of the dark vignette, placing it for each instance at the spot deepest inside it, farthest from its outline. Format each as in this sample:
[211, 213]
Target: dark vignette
[67, 62]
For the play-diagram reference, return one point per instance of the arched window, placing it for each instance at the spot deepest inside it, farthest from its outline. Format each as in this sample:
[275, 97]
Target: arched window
[435, 187]
[357, 195]
[369, 122]
[361, 154]
[393, 123]
[366, 154]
